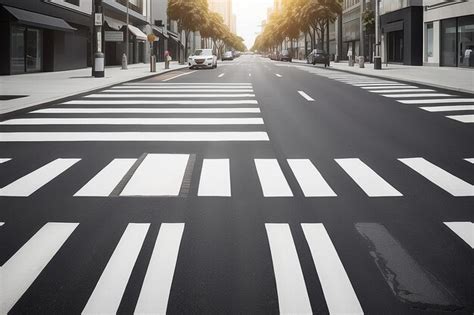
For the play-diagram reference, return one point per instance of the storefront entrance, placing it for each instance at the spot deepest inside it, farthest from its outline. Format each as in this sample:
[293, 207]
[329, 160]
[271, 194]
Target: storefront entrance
[395, 46]
[457, 42]
[26, 49]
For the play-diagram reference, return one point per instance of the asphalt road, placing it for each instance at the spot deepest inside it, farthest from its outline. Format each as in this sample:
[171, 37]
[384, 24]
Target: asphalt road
[229, 191]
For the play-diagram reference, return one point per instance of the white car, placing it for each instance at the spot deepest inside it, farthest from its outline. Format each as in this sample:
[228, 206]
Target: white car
[202, 58]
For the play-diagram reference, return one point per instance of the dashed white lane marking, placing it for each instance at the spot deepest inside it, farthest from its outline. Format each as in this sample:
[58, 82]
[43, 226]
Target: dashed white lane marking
[448, 108]
[416, 95]
[402, 91]
[463, 118]
[272, 180]
[108, 292]
[132, 136]
[158, 175]
[438, 101]
[28, 184]
[19, 272]
[215, 178]
[154, 294]
[387, 87]
[220, 75]
[310, 180]
[179, 75]
[470, 160]
[183, 110]
[161, 102]
[367, 179]
[3, 160]
[465, 230]
[133, 121]
[104, 182]
[233, 95]
[448, 182]
[291, 288]
[2, 223]
[158, 91]
[306, 96]
[278, 75]
[337, 288]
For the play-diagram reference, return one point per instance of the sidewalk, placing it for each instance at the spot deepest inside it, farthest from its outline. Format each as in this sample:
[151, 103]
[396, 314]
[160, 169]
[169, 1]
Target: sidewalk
[49, 86]
[458, 79]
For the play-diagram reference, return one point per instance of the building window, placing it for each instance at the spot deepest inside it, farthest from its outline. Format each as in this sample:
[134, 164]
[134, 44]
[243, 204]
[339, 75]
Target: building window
[448, 42]
[74, 2]
[466, 41]
[429, 40]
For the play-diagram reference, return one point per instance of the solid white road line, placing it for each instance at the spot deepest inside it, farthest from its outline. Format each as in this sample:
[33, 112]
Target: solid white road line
[465, 230]
[19, 272]
[470, 160]
[154, 294]
[180, 91]
[291, 288]
[448, 108]
[157, 102]
[272, 180]
[278, 75]
[450, 183]
[133, 121]
[108, 292]
[306, 96]
[337, 288]
[310, 180]
[215, 178]
[28, 184]
[183, 110]
[220, 75]
[3, 160]
[170, 95]
[416, 95]
[438, 101]
[158, 175]
[104, 182]
[463, 118]
[402, 91]
[367, 179]
[386, 87]
[179, 75]
[132, 136]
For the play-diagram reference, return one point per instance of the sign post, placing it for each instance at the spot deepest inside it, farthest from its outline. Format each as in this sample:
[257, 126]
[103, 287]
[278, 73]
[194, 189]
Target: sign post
[98, 67]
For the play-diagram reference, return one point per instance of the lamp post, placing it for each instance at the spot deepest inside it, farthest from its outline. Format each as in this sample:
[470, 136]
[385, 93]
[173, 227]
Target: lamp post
[125, 55]
[377, 58]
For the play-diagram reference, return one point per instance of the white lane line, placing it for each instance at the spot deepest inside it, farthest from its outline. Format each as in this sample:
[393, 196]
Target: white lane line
[156, 91]
[177, 88]
[179, 75]
[291, 288]
[306, 96]
[448, 108]
[133, 121]
[465, 230]
[470, 160]
[441, 178]
[220, 75]
[28, 184]
[381, 84]
[367, 179]
[154, 294]
[19, 272]
[157, 102]
[2, 223]
[158, 175]
[233, 95]
[3, 160]
[215, 178]
[463, 118]
[180, 84]
[272, 180]
[133, 136]
[337, 288]
[438, 101]
[128, 110]
[402, 91]
[108, 292]
[310, 179]
[388, 87]
[416, 95]
[104, 182]
[278, 75]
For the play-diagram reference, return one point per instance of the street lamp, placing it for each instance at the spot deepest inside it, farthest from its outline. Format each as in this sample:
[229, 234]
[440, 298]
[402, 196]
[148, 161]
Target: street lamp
[377, 58]
[125, 55]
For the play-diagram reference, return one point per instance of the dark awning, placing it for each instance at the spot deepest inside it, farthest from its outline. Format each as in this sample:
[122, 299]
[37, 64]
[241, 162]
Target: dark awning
[160, 31]
[39, 20]
[392, 27]
[173, 36]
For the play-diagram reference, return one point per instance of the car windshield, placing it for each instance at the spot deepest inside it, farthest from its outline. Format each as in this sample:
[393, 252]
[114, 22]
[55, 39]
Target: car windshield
[203, 52]
[228, 53]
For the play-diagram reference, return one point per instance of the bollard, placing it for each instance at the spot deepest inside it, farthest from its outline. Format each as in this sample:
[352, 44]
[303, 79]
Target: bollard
[361, 62]
[351, 61]
[124, 62]
[99, 71]
[152, 63]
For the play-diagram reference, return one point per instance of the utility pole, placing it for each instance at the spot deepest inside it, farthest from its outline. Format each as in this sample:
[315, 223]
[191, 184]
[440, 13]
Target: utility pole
[98, 67]
[377, 58]
[125, 56]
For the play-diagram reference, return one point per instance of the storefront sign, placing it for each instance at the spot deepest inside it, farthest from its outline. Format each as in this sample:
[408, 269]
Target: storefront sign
[98, 19]
[113, 36]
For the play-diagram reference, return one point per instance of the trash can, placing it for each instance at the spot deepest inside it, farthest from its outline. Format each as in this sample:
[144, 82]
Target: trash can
[361, 62]
[99, 71]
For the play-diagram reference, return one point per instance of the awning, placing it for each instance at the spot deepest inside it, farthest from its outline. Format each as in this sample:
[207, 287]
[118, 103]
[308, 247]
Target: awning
[174, 36]
[113, 23]
[39, 20]
[392, 27]
[136, 31]
[160, 31]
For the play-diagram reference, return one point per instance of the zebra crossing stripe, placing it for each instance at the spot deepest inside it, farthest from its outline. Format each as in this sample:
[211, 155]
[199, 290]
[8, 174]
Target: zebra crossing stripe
[179, 88]
[158, 175]
[238, 110]
[154, 294]
[470, 160]
[190, 84]
[465, 230]
[402, 91]
[463, 118]
[380, 84]
[272, 180]
[133, 121]
[104, 182]
[28, 184]
[448, 182]
[233, 95]
[310, 180]
[447, 108]
[388, 87]
[438, 101]
[337, 288]
[107, 294]
[215, 178]
[3, 160]
[19, 272]
[2, 223]
[291, 288]
[161, 102]
[158, 91]
[367, 179]
[416, 95]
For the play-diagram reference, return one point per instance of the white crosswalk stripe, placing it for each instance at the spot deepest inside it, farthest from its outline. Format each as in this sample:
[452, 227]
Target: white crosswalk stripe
[310, 180]
[3, 160]
[215, 178]
[272, 180]
[416, 95]
[465, 230]
[463, 118]
[448, 108]
[189, 110]
[133, 121]
[402, 91]
[134, 90]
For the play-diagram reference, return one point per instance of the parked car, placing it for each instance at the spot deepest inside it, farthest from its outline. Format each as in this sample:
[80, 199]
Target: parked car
[202, 58]
[275, 55]
[285, 56]
[228, 55]
[318, 56]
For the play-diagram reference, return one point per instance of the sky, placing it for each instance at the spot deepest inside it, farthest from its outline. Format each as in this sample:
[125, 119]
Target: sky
[250, 14]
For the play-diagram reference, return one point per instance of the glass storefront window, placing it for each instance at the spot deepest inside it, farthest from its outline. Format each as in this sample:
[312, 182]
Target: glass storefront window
[466, 41]
[448, 43]
[17, 45]
[34, 47]
[429, 40]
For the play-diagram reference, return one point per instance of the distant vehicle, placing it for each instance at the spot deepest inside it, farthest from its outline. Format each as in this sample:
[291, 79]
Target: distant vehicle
[202, 58]
[318, 56]
[285, 56]
[228, 55]
[275, 55]
[237, 54]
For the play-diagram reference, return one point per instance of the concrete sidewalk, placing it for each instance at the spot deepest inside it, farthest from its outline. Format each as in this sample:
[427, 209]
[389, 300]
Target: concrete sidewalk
[49, 86]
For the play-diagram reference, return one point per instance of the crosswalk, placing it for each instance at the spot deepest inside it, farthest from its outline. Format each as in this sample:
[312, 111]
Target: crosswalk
[28, 262]
[177, 112]
[404, 93]
[167, 175]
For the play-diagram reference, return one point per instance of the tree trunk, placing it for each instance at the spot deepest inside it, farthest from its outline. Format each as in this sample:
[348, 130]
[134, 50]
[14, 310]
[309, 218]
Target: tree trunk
[186, 35]
[305, 44]
[327, 36]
